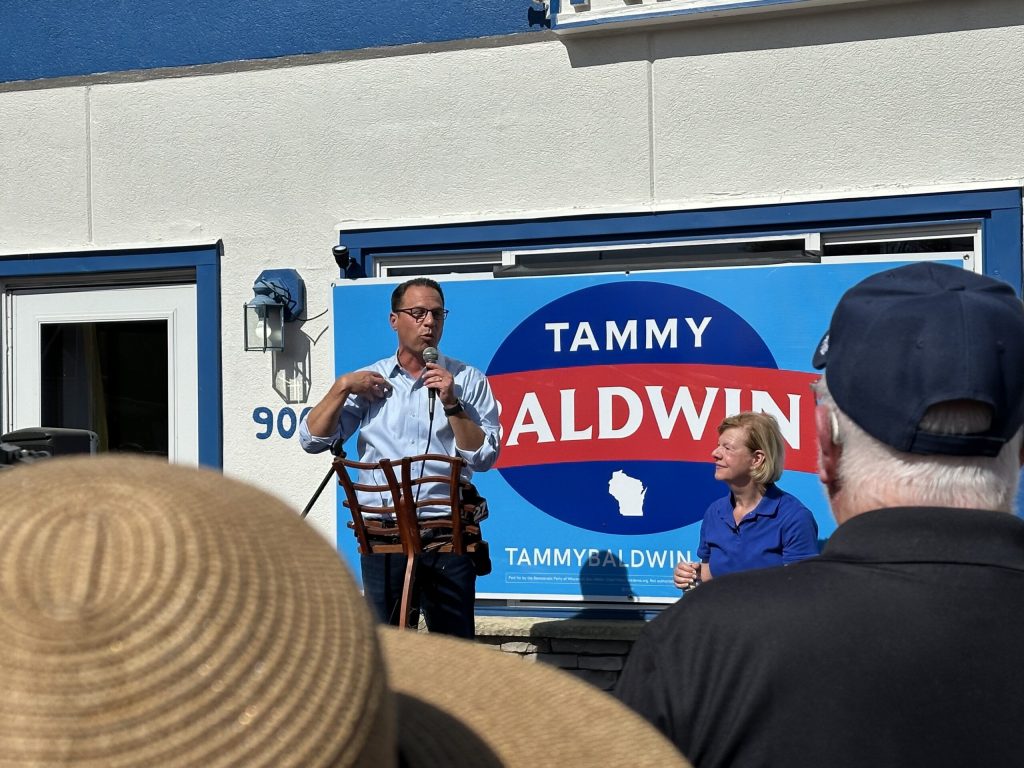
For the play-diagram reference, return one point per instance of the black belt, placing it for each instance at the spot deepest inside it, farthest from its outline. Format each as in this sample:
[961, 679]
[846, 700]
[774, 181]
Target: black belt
[426, 535]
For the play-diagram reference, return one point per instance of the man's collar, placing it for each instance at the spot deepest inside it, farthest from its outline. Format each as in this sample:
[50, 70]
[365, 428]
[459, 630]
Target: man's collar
[930, 534]
[393, 367]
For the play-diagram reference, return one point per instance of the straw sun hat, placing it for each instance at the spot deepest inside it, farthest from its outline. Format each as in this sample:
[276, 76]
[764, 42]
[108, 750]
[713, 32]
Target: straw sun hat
[156, 615]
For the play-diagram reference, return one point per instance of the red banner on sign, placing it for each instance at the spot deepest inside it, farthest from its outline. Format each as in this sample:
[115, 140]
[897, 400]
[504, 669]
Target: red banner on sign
[649, 412]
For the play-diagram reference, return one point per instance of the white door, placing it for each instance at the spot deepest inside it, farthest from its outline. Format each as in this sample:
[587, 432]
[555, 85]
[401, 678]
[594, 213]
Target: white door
[121, 362]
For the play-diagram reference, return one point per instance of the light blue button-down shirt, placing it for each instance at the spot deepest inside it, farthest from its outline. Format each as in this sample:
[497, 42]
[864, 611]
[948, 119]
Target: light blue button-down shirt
[399, 426]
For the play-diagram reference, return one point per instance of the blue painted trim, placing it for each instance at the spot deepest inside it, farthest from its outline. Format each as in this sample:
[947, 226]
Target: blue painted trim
[1001, 234]
[61, 38]
[210, 364]
[998, 210]
[99, 261]
[206, 262]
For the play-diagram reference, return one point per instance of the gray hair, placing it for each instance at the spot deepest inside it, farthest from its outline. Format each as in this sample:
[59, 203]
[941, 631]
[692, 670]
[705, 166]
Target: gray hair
[874, 475]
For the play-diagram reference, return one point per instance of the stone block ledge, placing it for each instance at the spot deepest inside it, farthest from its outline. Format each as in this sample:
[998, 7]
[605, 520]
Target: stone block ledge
[562, 629]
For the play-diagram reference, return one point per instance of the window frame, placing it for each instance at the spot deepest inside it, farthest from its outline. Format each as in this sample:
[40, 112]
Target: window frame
[144, 265]
[993, 215]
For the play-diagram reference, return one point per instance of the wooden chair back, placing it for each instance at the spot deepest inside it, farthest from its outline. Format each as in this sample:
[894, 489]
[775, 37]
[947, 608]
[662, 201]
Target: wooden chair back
[375, 524]
[399, 530]
[465, 531]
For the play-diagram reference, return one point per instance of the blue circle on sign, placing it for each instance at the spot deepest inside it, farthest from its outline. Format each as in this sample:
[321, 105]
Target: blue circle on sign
[672, 494]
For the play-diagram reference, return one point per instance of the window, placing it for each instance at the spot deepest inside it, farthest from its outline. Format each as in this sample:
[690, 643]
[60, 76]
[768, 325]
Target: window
[825, 246]
[689, 254]
[961, 239]
[412, 264]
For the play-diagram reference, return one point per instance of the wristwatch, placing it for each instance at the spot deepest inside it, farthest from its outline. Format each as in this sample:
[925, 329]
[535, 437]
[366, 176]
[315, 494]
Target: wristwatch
[454, 409]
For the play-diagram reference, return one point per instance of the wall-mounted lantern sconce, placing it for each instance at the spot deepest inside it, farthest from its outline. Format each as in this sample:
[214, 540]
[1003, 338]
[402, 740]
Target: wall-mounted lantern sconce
[279, 297]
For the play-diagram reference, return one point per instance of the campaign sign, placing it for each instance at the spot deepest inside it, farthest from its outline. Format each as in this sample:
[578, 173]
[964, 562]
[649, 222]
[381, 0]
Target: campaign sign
[611, 388]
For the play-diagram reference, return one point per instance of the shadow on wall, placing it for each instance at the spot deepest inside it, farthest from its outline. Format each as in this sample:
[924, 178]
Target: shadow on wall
[795, 29]
[290, 367]
[604, 579]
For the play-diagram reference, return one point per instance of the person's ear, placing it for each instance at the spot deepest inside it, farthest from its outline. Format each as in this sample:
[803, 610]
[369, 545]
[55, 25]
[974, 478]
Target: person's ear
[393, 319]
[829, 445]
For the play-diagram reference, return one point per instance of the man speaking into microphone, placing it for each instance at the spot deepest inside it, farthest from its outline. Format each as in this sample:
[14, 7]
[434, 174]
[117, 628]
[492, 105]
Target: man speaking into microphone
[416, 401]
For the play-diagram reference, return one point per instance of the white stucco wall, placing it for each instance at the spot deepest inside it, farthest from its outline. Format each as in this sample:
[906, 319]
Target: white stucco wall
[44, 169]
[844, 101]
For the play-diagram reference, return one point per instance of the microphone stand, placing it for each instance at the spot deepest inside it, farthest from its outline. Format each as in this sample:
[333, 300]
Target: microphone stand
[336, 451]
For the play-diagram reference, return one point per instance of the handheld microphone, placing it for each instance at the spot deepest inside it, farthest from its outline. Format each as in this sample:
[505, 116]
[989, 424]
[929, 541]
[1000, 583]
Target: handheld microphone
[430, 355]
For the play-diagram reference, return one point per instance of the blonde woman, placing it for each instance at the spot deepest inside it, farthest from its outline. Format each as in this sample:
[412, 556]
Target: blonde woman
[757, 525]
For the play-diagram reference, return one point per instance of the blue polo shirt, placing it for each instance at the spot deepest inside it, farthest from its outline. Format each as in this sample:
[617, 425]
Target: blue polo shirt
[779, 531]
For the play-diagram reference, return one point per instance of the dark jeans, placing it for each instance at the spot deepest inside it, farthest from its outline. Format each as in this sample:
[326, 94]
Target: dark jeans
[444, 588]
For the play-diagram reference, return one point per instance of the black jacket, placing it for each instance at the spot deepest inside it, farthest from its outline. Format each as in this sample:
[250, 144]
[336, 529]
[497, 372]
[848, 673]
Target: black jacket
[902, 644]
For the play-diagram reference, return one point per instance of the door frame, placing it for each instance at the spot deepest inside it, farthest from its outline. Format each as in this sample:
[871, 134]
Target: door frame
[204, 259]
[172, 304]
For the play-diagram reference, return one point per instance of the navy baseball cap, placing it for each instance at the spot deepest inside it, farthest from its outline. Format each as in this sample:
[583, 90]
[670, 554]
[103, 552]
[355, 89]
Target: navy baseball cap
[911, 337]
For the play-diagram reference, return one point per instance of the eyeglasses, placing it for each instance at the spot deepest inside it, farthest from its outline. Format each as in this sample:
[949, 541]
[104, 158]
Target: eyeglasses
[419, 313]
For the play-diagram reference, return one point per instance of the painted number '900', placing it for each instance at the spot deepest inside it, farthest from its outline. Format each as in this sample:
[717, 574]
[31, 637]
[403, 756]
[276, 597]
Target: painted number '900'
[285, 421]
